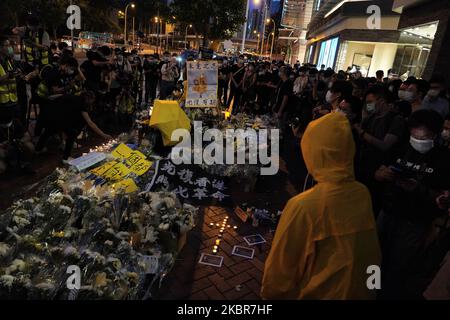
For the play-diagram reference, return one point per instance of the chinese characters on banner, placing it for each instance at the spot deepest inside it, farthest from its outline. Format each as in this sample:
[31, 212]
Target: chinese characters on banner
[127, 161]
[192, 185]
[202, 84]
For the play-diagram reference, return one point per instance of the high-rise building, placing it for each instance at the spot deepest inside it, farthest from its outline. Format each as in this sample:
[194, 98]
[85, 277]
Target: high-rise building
[408, 36]
[295, 17]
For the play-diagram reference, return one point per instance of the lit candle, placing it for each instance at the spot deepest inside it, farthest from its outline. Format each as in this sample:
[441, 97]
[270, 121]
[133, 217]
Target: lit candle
[235, 227]
[211, 224]
[217, 225]
[215, 247]
[228, 226]
[217, 242]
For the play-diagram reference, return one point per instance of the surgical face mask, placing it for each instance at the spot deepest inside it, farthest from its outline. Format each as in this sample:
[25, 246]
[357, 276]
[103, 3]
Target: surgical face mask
[433, 93]
[409, 96]
[17, 57]
[371, 107]
[391, 88]
[10, 51]
[446, 134]
[401, 94]
[70, 72]
[292, 77]
[330, 85]
[329, 97]
[421, 146]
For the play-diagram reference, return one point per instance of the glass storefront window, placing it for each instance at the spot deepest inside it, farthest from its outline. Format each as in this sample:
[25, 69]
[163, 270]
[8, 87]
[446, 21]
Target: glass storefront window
[327, 54]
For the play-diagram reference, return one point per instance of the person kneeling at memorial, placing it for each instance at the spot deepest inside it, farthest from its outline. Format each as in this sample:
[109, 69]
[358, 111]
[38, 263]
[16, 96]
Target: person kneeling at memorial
[326, 239]
[69, 116]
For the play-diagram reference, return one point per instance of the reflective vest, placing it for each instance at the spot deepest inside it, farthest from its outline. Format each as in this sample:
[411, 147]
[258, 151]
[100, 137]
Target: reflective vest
[8, 89]
[34, 54]
[43, 90]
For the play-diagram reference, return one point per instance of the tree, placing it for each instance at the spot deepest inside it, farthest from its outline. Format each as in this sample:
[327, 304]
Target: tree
[214, 20]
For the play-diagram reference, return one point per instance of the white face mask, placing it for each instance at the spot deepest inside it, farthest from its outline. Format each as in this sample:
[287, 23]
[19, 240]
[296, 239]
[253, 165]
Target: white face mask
[422, 146]
[446, 134]
[371, 107]
[433, 93]
[409, 96]
[329, 97]
[401, 94]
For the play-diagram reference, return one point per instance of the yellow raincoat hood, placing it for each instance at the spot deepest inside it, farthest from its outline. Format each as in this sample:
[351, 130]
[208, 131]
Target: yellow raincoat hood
[326, 238]
[328, 149]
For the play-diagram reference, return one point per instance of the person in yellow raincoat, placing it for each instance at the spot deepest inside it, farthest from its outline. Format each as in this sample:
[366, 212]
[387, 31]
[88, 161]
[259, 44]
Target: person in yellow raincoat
[326, 238]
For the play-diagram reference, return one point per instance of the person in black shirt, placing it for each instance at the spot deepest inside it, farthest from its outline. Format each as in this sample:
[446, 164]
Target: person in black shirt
[151, 72]
[381, 131]
[237, 76]
[70, 117]
[411, 184]
[224, 81]
[283, 97]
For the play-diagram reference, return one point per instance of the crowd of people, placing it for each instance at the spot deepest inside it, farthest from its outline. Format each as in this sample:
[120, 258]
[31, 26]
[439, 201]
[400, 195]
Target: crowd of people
[102, 90]
[399, 153]
[388, 135]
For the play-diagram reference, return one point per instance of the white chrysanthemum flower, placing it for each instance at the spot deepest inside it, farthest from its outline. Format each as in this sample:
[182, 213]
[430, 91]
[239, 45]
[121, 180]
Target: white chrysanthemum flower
[7, 280]
[70, 251]
[170, 202]
[66, 209]
[4, 249]
[16, 265]
[164, 226]
[20, 222]
[109, 243]
[21, 213]
[151, 235]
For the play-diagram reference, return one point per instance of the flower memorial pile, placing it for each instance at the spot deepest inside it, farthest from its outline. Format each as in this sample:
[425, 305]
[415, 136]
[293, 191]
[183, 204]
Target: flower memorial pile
[109, 235]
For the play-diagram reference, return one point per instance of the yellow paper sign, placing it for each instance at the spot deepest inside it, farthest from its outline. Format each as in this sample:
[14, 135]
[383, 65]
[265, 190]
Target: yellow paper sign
[127, 185]
[134, 157]
[141, 167]
[117, 172]
[99, 171]
[122, 151]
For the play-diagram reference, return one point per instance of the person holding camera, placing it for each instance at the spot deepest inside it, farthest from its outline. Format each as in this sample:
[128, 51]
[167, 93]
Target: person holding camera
[169, 74]
[411, 184]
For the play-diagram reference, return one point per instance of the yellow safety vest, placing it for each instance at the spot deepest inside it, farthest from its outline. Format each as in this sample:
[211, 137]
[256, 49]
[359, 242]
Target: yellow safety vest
[8, 89]
[38, 55]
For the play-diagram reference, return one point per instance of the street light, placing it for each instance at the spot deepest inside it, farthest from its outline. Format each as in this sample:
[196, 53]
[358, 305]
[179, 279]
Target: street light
[244, 33]
[126, 12]
[268, 20]
[257, 44]
[273, 40]
[185, 38]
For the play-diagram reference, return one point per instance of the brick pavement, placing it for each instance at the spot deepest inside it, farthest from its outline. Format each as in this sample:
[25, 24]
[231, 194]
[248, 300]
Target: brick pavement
[238, 278]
